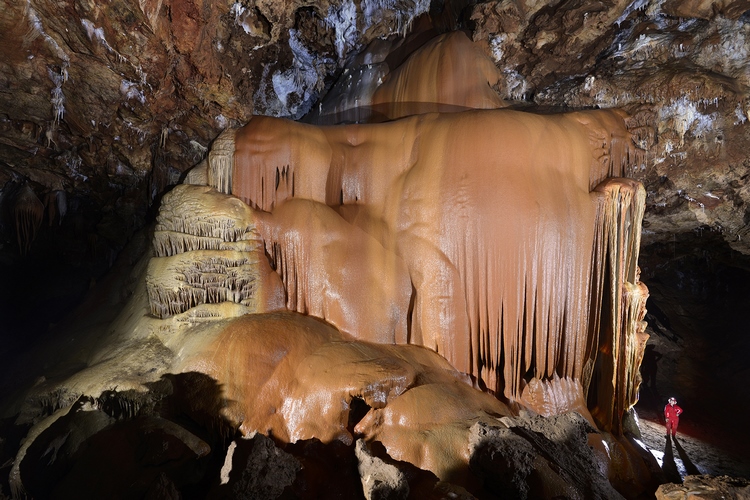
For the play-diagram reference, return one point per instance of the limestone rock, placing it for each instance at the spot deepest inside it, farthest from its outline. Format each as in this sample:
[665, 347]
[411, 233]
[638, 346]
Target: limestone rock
[705, 487]
[507, 460]
[260, 470]
[379, 480]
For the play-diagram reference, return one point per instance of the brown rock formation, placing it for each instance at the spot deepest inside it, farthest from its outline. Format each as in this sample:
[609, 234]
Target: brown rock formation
[426, 82]
[705, 487]
[440, 202]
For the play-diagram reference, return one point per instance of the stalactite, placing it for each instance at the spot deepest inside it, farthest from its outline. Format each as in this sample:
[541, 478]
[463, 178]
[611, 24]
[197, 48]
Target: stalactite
[535, 296]
[28, 211]
[333, 270]
[635, 336]
[197, 218]
[177, 284]
[615, 334]
[57, 206]
[221, 161]
[503, 298]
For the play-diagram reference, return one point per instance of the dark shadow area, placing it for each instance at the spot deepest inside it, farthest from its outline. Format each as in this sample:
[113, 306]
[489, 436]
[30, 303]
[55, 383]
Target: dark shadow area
[64, 284]
[690, 468]
[320, 464]
[669, 466]
[73, 247]
[544, 458]
[650, 366]
[168, 441]
[698, 316]
[357, 411]
[259, 469]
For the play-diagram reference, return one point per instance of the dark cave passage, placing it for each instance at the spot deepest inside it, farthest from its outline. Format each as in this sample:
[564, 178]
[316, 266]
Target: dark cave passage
[698, 321]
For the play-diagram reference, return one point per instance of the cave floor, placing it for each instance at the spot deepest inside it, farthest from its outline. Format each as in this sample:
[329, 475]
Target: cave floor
[697, 449]
[698, 330]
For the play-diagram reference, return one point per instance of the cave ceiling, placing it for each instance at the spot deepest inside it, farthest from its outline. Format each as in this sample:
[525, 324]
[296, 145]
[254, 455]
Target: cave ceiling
[104, 105]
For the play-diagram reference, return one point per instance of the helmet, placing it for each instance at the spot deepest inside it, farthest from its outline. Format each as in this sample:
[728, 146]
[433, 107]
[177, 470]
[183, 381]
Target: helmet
[672, 400]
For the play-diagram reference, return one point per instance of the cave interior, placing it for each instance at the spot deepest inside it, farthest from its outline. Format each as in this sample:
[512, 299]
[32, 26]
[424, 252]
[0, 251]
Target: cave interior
[350, 165]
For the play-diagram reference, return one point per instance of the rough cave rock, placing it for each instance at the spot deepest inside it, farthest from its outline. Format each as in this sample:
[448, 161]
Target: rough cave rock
[397, 261]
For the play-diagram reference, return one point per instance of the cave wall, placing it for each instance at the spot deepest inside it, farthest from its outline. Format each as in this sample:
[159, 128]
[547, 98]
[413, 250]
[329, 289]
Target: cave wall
[103, 107]
[112, 103]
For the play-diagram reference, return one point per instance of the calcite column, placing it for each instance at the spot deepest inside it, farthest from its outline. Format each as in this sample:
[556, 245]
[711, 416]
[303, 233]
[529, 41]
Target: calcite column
[611, 371]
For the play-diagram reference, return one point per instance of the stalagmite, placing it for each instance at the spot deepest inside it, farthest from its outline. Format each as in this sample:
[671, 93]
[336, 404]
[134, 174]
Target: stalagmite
[617, 337]
[295, 378]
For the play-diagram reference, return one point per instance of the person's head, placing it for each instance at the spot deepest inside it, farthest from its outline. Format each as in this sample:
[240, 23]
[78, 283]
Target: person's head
[672, 401]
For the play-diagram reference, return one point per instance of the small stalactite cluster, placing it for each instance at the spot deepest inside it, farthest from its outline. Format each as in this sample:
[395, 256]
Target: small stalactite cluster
[209, 232]
[185, 224]
[168, 243]
[221, 161]
[613, 151]
[207, 252]
[222, 279]
[118, 407]
[179, 283]
[28, 211]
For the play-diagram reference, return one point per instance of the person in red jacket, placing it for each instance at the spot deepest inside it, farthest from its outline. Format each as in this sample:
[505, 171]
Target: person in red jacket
[672, 414]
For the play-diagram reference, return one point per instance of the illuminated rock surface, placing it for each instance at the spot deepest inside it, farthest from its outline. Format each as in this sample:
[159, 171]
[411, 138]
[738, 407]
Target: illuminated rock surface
[401, 246]
[492, 237]
[481, 220]
[705, 487]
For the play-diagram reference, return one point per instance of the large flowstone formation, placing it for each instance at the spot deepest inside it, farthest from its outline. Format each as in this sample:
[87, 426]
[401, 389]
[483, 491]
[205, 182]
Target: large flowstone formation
[520, 252]
[447, 301]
